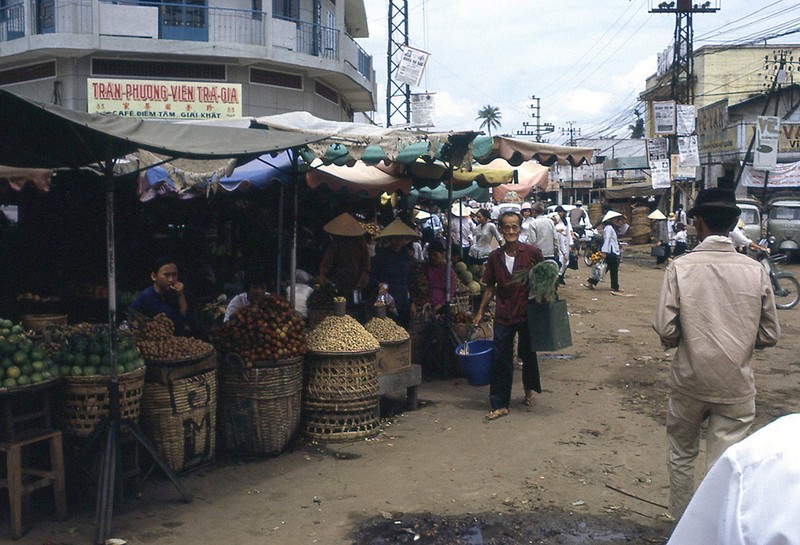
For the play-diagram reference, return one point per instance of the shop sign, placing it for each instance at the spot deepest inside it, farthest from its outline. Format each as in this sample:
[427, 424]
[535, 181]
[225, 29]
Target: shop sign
[162, 99]
[658, 159]
[788, 137]
[712, 129]
[685, 119]
[765, 146]
[783, 175]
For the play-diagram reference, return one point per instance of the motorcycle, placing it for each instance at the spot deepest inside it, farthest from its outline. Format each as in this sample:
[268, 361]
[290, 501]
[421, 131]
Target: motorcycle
[784, 284]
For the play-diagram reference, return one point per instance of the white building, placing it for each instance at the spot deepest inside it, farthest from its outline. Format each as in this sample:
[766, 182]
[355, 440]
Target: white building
[186, 58]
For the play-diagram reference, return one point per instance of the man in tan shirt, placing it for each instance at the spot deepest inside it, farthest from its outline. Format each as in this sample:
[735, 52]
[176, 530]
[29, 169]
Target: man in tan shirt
[716, 306]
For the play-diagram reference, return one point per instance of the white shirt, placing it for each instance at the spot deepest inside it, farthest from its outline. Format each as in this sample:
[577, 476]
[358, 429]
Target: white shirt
[482, 239]
[739, 238]
[681, 236]
[750, 495]
[610, 240]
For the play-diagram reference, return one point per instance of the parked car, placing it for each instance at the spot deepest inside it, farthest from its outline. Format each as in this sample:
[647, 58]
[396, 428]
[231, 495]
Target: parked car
[751, 215]
[783, 226]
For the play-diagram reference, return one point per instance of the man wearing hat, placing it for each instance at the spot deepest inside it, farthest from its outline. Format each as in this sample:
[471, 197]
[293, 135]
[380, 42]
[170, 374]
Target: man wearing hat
[460, 229]
[716, 306]
[346, 261]
[392, 266]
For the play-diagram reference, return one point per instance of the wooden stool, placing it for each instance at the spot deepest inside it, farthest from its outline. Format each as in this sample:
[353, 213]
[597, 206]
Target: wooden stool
[18, 488]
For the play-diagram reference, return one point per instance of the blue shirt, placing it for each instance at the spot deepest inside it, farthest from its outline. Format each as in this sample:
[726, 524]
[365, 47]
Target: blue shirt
[150, 303]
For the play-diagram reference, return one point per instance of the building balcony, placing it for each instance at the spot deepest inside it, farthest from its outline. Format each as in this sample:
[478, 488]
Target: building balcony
[71, 27]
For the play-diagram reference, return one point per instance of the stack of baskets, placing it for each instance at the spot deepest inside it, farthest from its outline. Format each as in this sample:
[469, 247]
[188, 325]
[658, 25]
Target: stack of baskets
[261, 404]
[640, 225]
[341, 396]
[595, 212]
[179, 410]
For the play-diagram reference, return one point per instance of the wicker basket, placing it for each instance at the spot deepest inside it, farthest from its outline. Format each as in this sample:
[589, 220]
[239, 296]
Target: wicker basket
[38, 322]
[419, 330]
[341, 420]
[181, 419]
[86, 401]
[462, 302]
[394, 355]
[261, 405]
[341, 376]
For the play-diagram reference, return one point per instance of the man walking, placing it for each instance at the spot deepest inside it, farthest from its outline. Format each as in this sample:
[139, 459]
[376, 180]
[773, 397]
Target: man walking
[716, 306]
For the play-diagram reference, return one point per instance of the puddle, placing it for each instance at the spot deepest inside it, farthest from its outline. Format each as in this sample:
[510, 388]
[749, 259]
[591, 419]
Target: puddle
[548, 527]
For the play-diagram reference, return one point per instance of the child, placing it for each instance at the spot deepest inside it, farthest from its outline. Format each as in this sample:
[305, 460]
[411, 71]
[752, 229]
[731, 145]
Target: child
[680, 239]
[385, 298]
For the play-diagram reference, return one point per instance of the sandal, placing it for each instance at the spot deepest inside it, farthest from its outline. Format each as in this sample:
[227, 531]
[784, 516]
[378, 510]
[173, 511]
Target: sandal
[497, 413]
[530, 399]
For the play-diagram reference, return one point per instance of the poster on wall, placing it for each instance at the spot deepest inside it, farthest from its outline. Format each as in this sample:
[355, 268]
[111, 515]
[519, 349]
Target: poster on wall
[658, 160]
[687, 152]
[162, 99]
[782, 175]
[664, 117]
[685, 119]
[765, 155]
[411, 66]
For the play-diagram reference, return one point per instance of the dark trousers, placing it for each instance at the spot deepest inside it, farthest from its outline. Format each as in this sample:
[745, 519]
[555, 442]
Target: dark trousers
[503, 363]
[612, 260]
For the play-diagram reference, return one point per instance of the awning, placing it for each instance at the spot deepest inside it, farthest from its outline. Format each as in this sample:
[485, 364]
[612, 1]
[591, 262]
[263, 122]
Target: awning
[344, 143]
[487, 148]
[359, 178]
[46, 136]
[440, 194]
[529, 175]
[16, 178]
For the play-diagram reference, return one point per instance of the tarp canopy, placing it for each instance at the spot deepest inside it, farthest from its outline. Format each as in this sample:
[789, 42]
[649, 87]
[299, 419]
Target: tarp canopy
[628, 191]
[46, 136]
[16, 178]
[488, 148]
[529, 175]
[344, 143]
[440, 194]
[172, 181]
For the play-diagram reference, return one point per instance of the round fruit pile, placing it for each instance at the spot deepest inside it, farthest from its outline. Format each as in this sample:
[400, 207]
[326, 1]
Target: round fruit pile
[267, 330]
[156, 341]
[85, 352]
[21, 361]
[341, 334]
[386, 330]
[471, 276]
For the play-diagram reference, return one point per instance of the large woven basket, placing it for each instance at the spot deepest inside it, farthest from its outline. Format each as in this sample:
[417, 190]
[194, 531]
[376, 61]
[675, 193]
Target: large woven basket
[341, 420]
[38, 322]
[181, 419]
[261, 405]
[419, 330]
[85, 401]
[341, 376]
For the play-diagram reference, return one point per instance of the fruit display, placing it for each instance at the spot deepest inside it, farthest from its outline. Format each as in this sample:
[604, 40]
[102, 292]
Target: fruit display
[419, 283]
[37, 297]
[156, 341]
[268, 329]
[341, 334]
[22, 362]
[460, 317]
[85, 351]
[386, 330]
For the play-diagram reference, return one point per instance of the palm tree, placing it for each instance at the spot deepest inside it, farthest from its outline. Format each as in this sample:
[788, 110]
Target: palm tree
[491, 117]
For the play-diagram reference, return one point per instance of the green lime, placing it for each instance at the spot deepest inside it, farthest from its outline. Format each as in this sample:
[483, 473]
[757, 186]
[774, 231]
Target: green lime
[76, 371]
[93, 360]
[5, 363]
[26, 370]
[64, 370]
[23, 380]
[20, 357]
[120, 369]
[37, 355]
[138, 362]
[13, 372]
[89, 370]
[36, 377]
[10, 383]
[79, 360]
[104, 370]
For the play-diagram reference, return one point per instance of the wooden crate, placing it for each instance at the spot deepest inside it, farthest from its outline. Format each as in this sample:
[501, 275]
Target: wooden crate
[394, 355]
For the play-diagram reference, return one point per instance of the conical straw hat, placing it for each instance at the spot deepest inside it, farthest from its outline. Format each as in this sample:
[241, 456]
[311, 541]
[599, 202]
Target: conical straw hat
[344, 225]
[397, 229]
[610, 215]
[657, 215]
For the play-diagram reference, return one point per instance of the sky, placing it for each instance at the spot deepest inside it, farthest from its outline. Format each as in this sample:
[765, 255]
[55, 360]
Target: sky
[586, 60]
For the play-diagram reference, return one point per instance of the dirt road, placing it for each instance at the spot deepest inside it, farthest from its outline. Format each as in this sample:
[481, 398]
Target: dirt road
[588, 461]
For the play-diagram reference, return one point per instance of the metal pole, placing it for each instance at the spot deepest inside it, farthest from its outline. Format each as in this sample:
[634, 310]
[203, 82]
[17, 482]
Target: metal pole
[293, 262]
[279, 271]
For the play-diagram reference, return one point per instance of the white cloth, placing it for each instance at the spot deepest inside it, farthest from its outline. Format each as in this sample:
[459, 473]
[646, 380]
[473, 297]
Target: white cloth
[739, 238]
[482, 239]
[610, 240]
[237, 303]
[542, 233]
[671, 232]
[301, 294]
[750, 496]
[681, 236]
[523, 234]
[509, 262]
[460, 231]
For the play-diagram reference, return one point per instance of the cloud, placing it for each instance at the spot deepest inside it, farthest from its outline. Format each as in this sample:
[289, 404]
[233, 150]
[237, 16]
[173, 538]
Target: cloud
[585, 102]
[455, 113]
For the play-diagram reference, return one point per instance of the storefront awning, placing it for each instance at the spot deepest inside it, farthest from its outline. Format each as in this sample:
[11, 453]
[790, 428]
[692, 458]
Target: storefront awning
[487, 148]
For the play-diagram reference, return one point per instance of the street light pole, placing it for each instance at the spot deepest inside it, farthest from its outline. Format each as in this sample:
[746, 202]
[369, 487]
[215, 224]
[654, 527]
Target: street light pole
[571, 131]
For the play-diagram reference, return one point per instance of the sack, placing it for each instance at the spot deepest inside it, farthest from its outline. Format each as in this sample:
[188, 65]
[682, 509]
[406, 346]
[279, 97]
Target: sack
[598, 271]
[573, 262]
[658, 251]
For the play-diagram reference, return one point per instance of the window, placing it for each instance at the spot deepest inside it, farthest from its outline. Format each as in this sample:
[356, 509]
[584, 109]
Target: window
[28, 73]
[326, 92]
[277, 79]
[258, 7]
[286, 9]
[158, 69]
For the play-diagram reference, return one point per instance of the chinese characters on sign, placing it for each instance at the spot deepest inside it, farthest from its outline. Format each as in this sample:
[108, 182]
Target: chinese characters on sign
[165, 99]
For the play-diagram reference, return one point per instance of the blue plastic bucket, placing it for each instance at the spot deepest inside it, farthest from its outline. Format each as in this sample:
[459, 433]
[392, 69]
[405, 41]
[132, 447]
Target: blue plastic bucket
[477, 364]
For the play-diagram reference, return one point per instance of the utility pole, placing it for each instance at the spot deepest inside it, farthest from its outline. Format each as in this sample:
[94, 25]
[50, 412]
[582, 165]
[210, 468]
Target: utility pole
[398, 94]
[541, 128]
[571, 131]
[682, 81]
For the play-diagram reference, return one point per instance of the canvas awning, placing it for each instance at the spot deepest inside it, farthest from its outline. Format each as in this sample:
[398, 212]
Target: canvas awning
[39, 135]
[16, 178]
[488, 148]
[529, 175]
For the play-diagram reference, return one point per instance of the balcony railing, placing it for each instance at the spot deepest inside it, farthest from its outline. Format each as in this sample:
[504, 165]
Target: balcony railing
[314, 39]
[364, 62]
[12, 22]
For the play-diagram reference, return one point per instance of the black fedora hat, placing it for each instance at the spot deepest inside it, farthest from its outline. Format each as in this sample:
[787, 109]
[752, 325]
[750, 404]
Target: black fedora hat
[714, 198]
